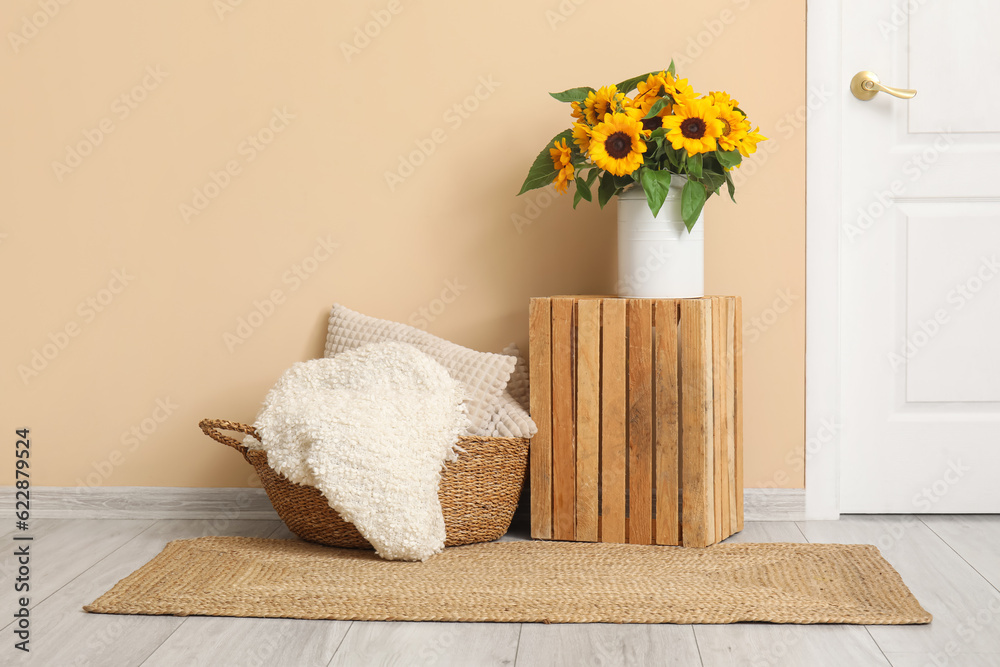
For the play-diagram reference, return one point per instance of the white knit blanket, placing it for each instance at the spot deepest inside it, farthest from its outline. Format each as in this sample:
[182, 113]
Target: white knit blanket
[371, 428]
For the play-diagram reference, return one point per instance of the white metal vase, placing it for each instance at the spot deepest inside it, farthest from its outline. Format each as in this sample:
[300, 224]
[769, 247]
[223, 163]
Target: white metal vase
[657, 257]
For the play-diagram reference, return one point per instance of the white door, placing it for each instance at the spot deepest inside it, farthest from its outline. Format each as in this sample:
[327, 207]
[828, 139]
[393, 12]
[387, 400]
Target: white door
[920, 259]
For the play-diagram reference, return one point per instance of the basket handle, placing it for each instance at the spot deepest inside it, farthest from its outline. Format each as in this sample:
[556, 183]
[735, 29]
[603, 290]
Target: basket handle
[211, 428]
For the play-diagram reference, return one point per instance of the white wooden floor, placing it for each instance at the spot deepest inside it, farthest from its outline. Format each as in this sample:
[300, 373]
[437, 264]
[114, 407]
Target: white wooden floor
[951, 563]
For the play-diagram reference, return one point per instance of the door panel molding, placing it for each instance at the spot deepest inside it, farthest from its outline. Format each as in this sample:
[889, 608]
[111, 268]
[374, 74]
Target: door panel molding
[823, 238]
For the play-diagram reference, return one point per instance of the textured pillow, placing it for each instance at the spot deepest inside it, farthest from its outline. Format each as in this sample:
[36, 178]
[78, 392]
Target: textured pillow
[518, 385]
[483, 375]
[513, 420]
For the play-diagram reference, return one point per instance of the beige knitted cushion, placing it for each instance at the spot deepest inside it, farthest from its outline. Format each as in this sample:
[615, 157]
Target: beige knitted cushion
[513, 420]
[483, 375]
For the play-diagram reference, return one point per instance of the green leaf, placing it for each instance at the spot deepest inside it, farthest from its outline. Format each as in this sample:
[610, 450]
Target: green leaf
[542, 171]
[731, 187]
[713, 180]
[729, 159]
[675, 156]
[672, 69]
[694, 163]
[624, 181]
[592, 176]
[607, 189]
[656, 184]
[692, 201]
[583, 189]
[573, 94]
[657, 107]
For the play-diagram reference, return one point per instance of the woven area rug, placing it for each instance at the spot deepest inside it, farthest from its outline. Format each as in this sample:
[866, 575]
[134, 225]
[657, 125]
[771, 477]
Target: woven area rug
[550, 582]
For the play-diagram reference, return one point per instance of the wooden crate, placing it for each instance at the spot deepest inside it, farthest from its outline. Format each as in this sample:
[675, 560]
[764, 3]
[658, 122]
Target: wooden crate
[639, 410]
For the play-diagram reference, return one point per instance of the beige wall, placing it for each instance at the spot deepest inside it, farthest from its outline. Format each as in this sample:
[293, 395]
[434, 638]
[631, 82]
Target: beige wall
[100, 247]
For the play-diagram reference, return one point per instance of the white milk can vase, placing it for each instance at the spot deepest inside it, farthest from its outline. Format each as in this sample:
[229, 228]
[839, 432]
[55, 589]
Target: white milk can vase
[658, 257]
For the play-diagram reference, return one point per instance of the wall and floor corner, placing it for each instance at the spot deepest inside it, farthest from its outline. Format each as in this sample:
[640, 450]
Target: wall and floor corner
[187, 189]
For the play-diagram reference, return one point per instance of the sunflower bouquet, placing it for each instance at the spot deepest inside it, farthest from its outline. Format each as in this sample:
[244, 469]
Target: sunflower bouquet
[664, 128]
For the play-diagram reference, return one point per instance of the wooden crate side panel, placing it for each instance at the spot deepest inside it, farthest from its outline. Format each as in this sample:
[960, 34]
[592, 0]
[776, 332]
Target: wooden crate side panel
[738, 412]
[563, 436]
[613, 411]
[731, 511]
[588, 417]
[697, 447]
[718, 415]
[640, 425]
[666, 445]
[540, 356]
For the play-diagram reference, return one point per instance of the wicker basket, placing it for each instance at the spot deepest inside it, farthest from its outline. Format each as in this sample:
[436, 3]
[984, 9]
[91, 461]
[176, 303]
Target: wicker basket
[478, 492]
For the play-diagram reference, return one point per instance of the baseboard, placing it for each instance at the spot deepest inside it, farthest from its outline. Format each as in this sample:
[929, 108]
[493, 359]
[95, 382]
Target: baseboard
[142, 502]
[159, 502]
[774, 504]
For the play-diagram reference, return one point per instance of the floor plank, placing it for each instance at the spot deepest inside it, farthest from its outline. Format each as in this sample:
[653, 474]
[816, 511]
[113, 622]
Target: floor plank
[793, 645]
[62, 549]
[959, 660]
[438, 644]
[606, 644]
[764, 644]
[966, 608]
[215, 641]
[63, 634]
[768, 531]
[975, 537]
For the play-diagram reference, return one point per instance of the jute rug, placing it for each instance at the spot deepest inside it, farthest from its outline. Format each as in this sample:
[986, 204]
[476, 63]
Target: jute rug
[550, 582]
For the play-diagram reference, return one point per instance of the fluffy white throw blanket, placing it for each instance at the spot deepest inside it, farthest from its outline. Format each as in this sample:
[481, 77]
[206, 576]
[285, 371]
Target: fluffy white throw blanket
[371, 428]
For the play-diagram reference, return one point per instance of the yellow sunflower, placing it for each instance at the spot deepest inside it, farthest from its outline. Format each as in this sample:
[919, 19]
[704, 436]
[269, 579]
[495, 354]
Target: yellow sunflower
[650, 90]
[749, 143]
[581, 136]
[659, 85]
[734, 128]
[577, 111]
[604, 101]
[679, 89]
[562, 156]
[721, 99]
[694, 126]
[616, 145]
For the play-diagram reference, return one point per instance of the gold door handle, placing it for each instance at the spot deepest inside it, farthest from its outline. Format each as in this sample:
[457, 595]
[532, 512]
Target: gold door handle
[865, 85]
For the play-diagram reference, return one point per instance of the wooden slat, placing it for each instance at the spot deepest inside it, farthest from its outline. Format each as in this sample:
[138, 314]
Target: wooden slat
[588, 417]
[665, 447]
[640, 430]
[698, 528]
[725, 408]
[718, 415]
[613, 422]
[738, 387]
[726, 422]
[563, 445]
[539, 342]
[731, 416]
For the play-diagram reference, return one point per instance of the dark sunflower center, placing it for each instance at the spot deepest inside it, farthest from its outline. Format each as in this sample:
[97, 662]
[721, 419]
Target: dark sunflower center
[618, 145]
[693, 128]
[726, 127]
[652, 123]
